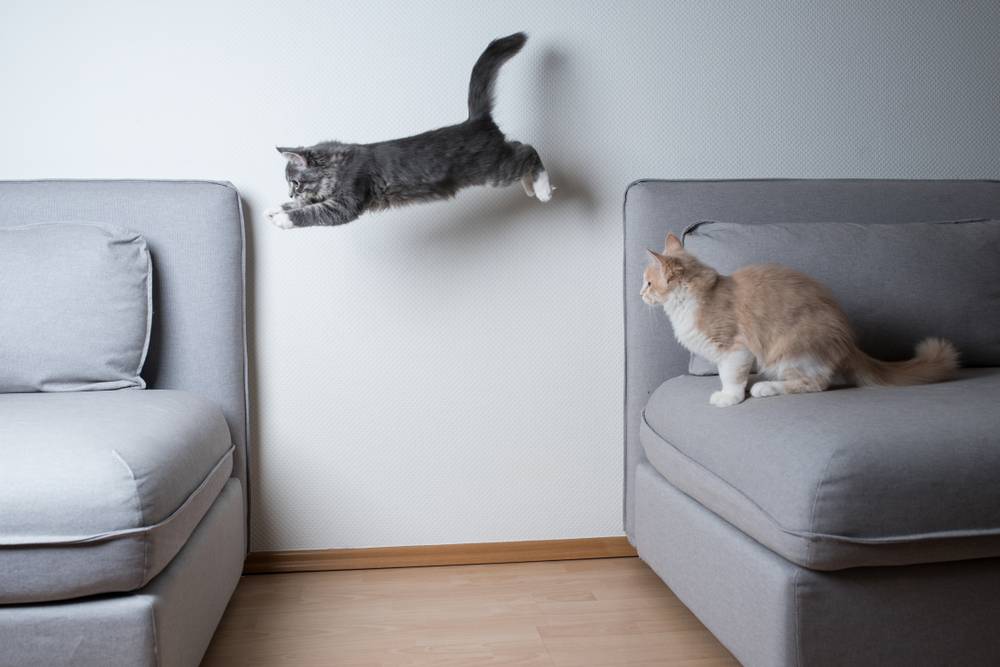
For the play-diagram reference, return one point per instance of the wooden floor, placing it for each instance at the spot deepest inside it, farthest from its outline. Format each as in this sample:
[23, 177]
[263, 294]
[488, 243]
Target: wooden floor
[612, 612]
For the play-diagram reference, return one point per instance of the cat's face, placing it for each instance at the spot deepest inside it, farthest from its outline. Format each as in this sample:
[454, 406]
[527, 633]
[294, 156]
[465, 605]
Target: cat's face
[309, 180]
[654, 284]
[664, 274]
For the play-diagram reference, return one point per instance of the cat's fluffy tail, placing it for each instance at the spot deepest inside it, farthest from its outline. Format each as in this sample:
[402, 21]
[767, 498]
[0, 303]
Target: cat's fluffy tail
[936, 360]
[484, 73]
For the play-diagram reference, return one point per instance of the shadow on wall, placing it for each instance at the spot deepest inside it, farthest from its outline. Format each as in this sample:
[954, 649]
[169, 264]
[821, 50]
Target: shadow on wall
[485, 216]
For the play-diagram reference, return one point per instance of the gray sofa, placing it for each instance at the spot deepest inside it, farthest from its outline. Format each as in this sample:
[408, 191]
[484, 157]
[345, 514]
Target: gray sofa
[852, 527]
[156, 478]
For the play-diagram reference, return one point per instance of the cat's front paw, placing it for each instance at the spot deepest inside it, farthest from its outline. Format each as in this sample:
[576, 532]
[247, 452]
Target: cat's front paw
[279, 218]
[724, 399]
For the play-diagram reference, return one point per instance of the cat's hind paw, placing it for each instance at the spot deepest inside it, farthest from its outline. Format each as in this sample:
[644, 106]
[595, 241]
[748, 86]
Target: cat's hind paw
[724, 399]
[543, 190]
[279, 218]
[764, 389]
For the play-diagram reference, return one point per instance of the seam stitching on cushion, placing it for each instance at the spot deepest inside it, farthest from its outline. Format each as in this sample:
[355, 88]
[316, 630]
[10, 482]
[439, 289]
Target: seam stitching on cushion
[812, 510]
[142, 513]
[795, 600]
[156, 640]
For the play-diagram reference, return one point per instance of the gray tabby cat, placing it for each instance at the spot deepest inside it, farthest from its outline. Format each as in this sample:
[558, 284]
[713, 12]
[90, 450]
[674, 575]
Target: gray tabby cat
[332, 183]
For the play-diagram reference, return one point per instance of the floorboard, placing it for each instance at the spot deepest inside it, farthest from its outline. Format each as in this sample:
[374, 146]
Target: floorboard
[612, 612]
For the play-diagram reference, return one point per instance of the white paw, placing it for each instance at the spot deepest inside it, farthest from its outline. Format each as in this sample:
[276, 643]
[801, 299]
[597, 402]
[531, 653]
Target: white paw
[763, 389]
[541, 186]
[279, 218]
[723, 399]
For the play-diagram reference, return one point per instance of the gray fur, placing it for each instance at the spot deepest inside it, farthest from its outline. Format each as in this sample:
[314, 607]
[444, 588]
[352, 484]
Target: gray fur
[332, 183]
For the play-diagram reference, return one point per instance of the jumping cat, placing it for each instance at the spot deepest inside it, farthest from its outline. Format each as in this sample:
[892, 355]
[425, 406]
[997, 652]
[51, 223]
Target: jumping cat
[786, 321]
[332, 183]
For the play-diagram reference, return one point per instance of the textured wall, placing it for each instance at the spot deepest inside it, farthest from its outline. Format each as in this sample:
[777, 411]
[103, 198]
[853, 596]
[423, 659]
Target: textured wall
[453, 372]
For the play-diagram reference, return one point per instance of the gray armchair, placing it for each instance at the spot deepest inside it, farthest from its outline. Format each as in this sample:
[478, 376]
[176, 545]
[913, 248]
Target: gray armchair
[852, 527]
[156, 478]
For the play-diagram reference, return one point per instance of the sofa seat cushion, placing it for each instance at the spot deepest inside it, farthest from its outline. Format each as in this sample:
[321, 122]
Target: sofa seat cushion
[844, 478]
[99, 491]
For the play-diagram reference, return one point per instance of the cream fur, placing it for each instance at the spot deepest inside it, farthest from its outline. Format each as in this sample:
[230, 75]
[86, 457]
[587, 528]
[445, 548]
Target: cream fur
[682, 308]
[786, 321]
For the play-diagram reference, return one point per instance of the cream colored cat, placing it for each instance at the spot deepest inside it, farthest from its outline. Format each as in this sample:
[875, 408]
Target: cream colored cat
[786, 321]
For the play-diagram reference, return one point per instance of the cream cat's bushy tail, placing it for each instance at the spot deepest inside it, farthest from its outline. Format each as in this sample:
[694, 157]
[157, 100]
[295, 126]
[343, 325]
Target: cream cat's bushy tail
[936, 360]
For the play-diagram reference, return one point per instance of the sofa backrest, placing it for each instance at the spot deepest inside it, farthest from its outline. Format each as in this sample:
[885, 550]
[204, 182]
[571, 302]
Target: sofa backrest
[653, 208]
[194, 230]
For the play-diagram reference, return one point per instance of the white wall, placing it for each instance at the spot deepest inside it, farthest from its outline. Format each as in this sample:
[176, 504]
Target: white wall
[453, 372]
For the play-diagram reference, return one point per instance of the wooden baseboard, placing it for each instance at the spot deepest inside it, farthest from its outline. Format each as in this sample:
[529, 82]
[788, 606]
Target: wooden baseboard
[320, 560]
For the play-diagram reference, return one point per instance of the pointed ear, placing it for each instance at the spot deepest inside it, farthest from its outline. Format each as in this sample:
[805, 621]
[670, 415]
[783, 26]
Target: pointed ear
[672, 244]
[657, 256]
[670, 267]
[294, 156]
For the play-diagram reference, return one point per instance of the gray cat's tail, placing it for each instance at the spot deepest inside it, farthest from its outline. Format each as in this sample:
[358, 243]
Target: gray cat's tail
[484, 73]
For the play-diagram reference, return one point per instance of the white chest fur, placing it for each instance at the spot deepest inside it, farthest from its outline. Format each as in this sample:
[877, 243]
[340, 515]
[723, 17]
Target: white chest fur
[682, 309]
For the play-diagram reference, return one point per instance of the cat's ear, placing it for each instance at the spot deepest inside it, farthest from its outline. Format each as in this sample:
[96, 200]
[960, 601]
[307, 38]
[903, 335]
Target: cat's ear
[672, 244]
[670, 266]
[657, 256]
[294, 156]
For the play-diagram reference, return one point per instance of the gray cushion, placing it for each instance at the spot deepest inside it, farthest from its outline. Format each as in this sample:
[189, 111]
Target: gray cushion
[99, 490]
[897, 283]
[76, 305]
[194, 230]
[844, 478]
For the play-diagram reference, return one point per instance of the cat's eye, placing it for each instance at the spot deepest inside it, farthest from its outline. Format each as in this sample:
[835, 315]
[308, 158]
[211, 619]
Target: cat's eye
[294, 184]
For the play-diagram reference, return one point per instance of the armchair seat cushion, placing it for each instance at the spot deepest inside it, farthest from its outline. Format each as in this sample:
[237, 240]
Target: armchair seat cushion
[844, 478]
[100, 490]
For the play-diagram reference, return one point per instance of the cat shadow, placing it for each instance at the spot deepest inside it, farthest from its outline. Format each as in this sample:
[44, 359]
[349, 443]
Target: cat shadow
[484, 218]
[557, 97]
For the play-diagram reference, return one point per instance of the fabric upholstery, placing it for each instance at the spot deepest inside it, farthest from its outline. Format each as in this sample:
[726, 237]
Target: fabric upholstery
[169, 623]
[100, 490]
[898, 284]
[76, 307]
[770, 612]
[194, 231]
[653, 208]
[842, 478]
